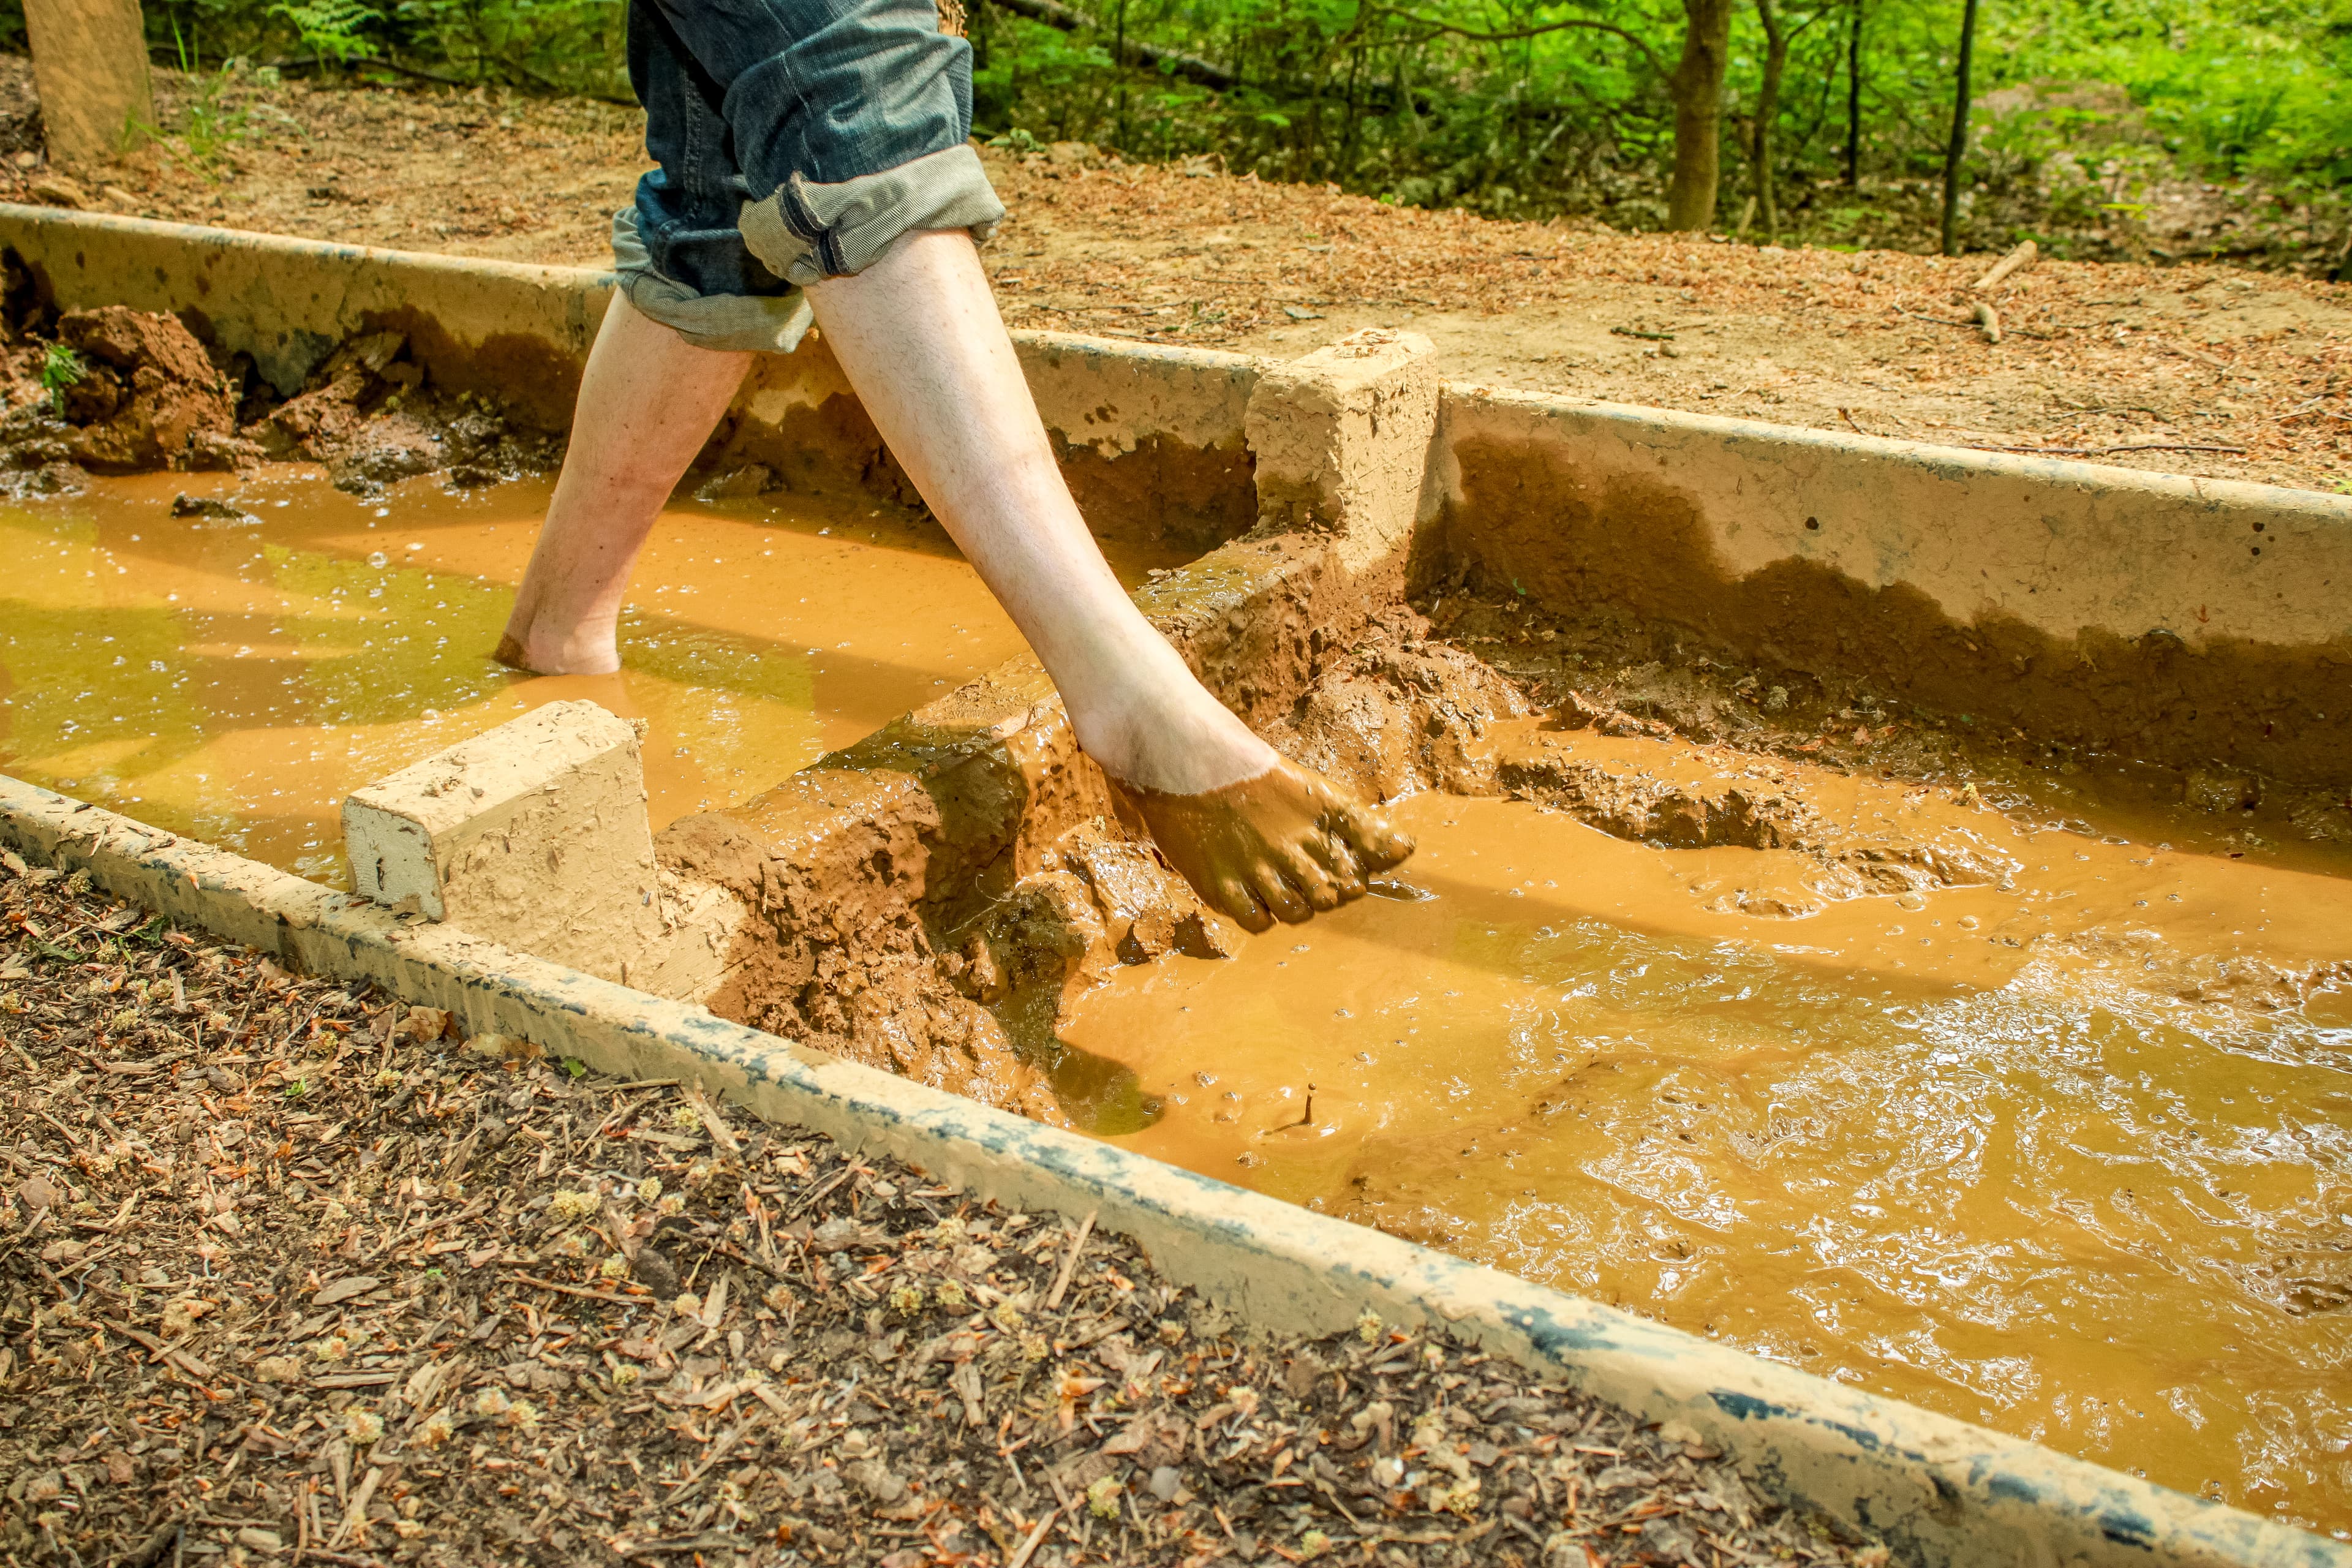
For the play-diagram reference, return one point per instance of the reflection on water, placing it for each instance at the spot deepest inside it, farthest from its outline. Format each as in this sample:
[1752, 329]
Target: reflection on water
[235, 677]
[2029, 1185]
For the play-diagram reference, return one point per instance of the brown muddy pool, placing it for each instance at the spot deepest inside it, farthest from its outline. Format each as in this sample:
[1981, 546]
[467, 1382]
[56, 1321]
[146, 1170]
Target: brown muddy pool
[234, 677]
[2069, 1154]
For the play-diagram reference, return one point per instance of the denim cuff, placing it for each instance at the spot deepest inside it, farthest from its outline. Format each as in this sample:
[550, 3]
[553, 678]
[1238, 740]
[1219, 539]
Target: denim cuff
[757, 323]
[805, 231]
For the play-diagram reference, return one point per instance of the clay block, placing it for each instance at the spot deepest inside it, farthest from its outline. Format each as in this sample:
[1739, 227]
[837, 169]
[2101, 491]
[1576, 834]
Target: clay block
[533, 834]
[1341, 439]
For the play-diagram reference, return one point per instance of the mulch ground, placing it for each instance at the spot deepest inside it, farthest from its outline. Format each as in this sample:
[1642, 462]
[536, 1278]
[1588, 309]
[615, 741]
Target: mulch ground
[290, 1273]
[2198, 369]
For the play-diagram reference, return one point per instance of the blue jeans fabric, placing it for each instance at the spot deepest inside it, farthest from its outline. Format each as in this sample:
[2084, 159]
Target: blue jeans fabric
[794, 140]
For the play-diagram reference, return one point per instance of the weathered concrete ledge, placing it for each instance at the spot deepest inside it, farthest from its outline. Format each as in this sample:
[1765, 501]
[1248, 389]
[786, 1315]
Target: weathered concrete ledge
[1937, 1490]
[517, 332]
[2172, 619]
[1151, 436]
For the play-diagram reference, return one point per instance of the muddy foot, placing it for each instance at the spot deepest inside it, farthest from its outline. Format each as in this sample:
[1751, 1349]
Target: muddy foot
[584, 657]
[1283, 846]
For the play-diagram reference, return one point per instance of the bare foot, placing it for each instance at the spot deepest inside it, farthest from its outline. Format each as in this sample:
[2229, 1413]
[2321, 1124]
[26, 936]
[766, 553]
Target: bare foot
[583, 653]
[1285, 844]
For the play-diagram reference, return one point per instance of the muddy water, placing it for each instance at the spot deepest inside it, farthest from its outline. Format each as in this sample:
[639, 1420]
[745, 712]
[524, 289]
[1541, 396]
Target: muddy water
[236, 679]
[2048, 1155]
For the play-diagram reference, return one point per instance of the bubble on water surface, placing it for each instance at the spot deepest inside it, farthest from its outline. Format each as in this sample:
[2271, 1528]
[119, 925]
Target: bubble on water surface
[377, 558]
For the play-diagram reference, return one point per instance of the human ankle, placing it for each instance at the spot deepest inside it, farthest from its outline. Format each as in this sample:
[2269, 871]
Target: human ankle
[540, 643]
[1174, 744]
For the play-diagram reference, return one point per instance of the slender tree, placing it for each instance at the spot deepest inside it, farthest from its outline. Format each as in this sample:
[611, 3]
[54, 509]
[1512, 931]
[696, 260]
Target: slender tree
[1854, 102]
[1119, 62]
[1767, 108]
[1697, 87]
[1957, 150]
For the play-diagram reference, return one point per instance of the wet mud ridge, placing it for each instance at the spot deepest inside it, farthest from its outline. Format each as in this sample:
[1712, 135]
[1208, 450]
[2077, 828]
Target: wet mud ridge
[117, 391]
[1489, 698]
[292, 1269]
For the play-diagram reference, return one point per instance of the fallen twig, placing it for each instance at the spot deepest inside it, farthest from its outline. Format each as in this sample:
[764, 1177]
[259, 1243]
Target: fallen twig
[1029, 1547]
[1939, 321]
[2018, 258]
[2110, 451]
[580, 1291]
[1070, 1264]
[413, 1232]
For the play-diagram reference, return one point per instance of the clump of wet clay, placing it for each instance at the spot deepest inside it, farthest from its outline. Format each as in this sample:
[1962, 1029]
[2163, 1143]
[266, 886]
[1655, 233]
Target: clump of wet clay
[114, 391]
[837, 956]
[367, 414]
[1406, 711]
[118, 391]
[1283, 846]
[1399, 714]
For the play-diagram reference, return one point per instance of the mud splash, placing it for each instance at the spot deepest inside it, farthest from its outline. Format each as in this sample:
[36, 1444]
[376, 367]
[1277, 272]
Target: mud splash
[2041, 1127]
[232, 664]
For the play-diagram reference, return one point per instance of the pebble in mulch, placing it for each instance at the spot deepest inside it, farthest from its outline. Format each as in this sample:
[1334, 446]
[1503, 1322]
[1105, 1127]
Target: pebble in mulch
[289, 1273]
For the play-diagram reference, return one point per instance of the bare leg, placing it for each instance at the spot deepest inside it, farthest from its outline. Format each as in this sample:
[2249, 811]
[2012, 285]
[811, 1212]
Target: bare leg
[919, 336]
[647, 401]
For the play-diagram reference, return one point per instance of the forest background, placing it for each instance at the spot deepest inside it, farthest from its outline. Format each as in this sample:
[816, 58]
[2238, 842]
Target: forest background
[2142, 130]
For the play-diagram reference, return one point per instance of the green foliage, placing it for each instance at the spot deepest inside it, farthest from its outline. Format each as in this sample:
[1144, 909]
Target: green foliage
[333, 29]
[60, 368]
[208, 120]
[567, 45]
[1519, 108]
[2088, 110]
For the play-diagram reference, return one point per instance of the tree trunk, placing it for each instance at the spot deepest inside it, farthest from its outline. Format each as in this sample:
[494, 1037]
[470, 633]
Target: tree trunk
[89, 67]
[1854, 102]
[1957, 150]
[1118, 63]
[1767, 108]
[1698, 88]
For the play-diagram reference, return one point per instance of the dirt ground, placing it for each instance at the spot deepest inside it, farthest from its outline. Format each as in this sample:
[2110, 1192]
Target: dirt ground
[2197, 369]
[291, 1273]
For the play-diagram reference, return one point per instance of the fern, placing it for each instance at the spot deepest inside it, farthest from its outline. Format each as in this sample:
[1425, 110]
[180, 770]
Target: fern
[331, 28]
[60, 368]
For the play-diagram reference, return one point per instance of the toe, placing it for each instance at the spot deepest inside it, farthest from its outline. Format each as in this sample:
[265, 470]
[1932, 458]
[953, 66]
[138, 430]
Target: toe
[1312, 882]
[1235, 902]
[1376, 840]
[1268, 883]
[1339, 862]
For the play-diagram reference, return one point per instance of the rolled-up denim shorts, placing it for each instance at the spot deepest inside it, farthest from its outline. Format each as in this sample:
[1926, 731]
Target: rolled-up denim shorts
[795, 140]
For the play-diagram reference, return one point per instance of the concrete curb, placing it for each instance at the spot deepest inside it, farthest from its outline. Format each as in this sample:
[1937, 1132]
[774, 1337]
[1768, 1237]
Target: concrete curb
[1936, 1490]
[2175, 619]
[1150, 435]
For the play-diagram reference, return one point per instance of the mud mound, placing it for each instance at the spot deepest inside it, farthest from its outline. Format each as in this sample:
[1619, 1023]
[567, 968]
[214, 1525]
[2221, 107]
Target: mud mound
[148, 397]
[838, 955]
[1407, 712]
[117, 390]
[1399, 714]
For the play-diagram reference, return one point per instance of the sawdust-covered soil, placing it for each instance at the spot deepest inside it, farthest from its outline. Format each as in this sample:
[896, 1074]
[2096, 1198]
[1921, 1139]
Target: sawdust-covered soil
[2198, 369]
[290, 1273]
